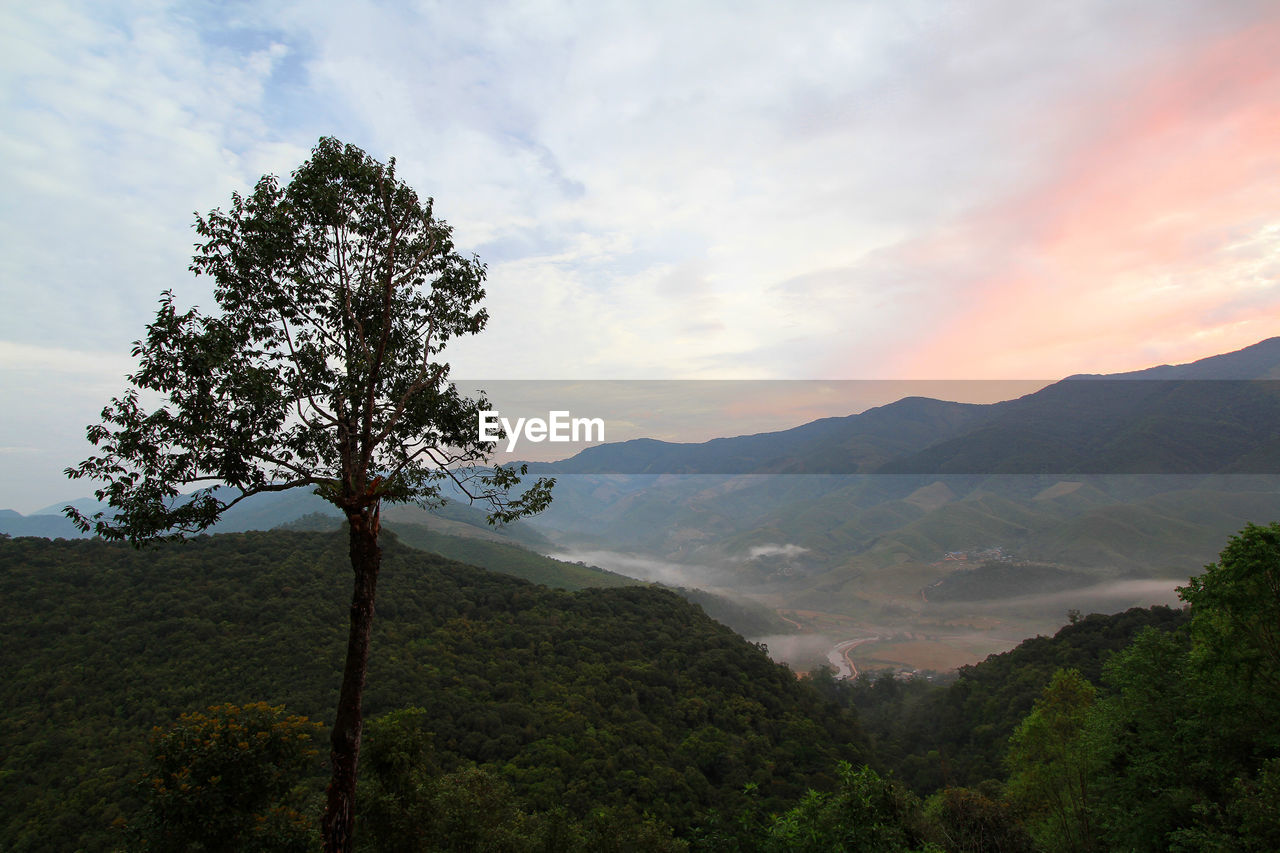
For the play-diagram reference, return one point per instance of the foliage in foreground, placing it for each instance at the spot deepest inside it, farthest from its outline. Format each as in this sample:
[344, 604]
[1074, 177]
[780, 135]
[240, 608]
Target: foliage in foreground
[554, 721]
[230, 779]
[865, 813]
[599, 699]
[409, 804]
[1181, 751]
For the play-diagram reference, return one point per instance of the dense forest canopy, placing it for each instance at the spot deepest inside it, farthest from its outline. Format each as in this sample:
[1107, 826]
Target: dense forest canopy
[528, 718]
[603, 697]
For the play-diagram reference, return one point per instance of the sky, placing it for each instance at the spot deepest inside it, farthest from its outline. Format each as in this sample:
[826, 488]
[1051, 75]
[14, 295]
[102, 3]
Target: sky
[711, 190]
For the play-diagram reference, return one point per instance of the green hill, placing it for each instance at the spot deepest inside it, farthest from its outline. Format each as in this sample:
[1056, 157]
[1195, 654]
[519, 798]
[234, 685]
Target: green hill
[957, 734]
[508, 559]
[747, 618]
[621, 697]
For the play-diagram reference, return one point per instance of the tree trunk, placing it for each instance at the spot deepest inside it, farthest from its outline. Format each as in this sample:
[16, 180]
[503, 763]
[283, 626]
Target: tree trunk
[344, 751]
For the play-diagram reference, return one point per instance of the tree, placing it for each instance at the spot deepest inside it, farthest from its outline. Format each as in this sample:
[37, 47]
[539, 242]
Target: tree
[1156, 764]
[222, 780]
[865, 813]
[1234, 663]
[1050, 758]
[1235, 608]
[965, 819]
[399, 768]
[1189, 737]
[338, 292]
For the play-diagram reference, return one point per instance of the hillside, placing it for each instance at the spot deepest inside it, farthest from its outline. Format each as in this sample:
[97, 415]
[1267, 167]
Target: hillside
[498, 556]
[958, 734]
[746, 617]
[603, 697]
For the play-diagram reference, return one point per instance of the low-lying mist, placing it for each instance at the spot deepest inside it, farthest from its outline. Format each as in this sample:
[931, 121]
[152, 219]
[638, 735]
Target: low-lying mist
[1107, 597]
[650, 569]
[799, 651]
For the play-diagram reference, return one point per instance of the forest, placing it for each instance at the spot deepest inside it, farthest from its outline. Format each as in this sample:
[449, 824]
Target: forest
[175, 698]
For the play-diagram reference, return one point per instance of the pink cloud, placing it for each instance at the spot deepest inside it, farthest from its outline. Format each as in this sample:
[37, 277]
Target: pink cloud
[1155, 238]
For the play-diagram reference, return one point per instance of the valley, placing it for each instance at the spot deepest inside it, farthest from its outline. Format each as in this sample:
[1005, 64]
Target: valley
[933, 580]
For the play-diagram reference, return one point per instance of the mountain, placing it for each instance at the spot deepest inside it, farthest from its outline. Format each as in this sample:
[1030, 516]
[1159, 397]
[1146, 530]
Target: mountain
[1216, 415]
[1259, 361]
[270, 510]
[1099, 425]
[1113, 486]
[49, 526]
[849, 445]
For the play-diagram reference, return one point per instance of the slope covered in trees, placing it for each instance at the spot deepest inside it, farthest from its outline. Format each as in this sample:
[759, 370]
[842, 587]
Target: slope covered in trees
[1149, 730]
[604, 697]
[508, 716]
[933, 736]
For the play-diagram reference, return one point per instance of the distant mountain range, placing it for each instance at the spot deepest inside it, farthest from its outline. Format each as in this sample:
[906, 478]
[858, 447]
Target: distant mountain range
[1216, 415]
[277, 509]
[1094, 478]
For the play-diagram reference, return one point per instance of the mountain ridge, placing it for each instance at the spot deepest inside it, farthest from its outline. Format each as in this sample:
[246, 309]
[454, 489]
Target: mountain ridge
[1087, 423]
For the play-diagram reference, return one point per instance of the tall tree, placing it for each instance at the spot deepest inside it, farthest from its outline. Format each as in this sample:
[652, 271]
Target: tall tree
[1189, 737]
[1156, 767]
[1235, 609]
[338, 293]
[1234, 664]
[1050, 757]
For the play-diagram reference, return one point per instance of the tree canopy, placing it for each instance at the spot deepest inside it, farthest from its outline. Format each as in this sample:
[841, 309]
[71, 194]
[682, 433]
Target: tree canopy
[338, 293]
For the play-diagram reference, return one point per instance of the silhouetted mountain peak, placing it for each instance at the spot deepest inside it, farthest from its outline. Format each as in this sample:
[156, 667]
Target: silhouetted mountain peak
[1104, 425]
[1258, 361]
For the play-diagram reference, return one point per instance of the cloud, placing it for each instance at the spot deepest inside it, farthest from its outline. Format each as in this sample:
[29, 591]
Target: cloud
[121, 121]
[44, 360]
[788, 551]
[1134, 247]
[801, 652]
[648, 568]
[681, 134]
[667, 190]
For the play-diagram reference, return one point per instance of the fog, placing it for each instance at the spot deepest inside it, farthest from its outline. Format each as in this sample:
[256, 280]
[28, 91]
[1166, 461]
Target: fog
[800, 651]
[1108, 597]
[647, 568]
[771, 550]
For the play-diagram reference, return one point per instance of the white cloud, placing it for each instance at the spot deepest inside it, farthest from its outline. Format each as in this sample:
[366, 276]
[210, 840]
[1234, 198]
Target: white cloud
[788, 551]
[662, 190]
[44, 360]
[764, 144]
[121, 121]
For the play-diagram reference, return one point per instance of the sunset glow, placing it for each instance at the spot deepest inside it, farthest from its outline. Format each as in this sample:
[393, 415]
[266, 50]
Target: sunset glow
[1157, 239]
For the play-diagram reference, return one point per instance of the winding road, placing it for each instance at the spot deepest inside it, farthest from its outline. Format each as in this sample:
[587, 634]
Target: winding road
[839, 656]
